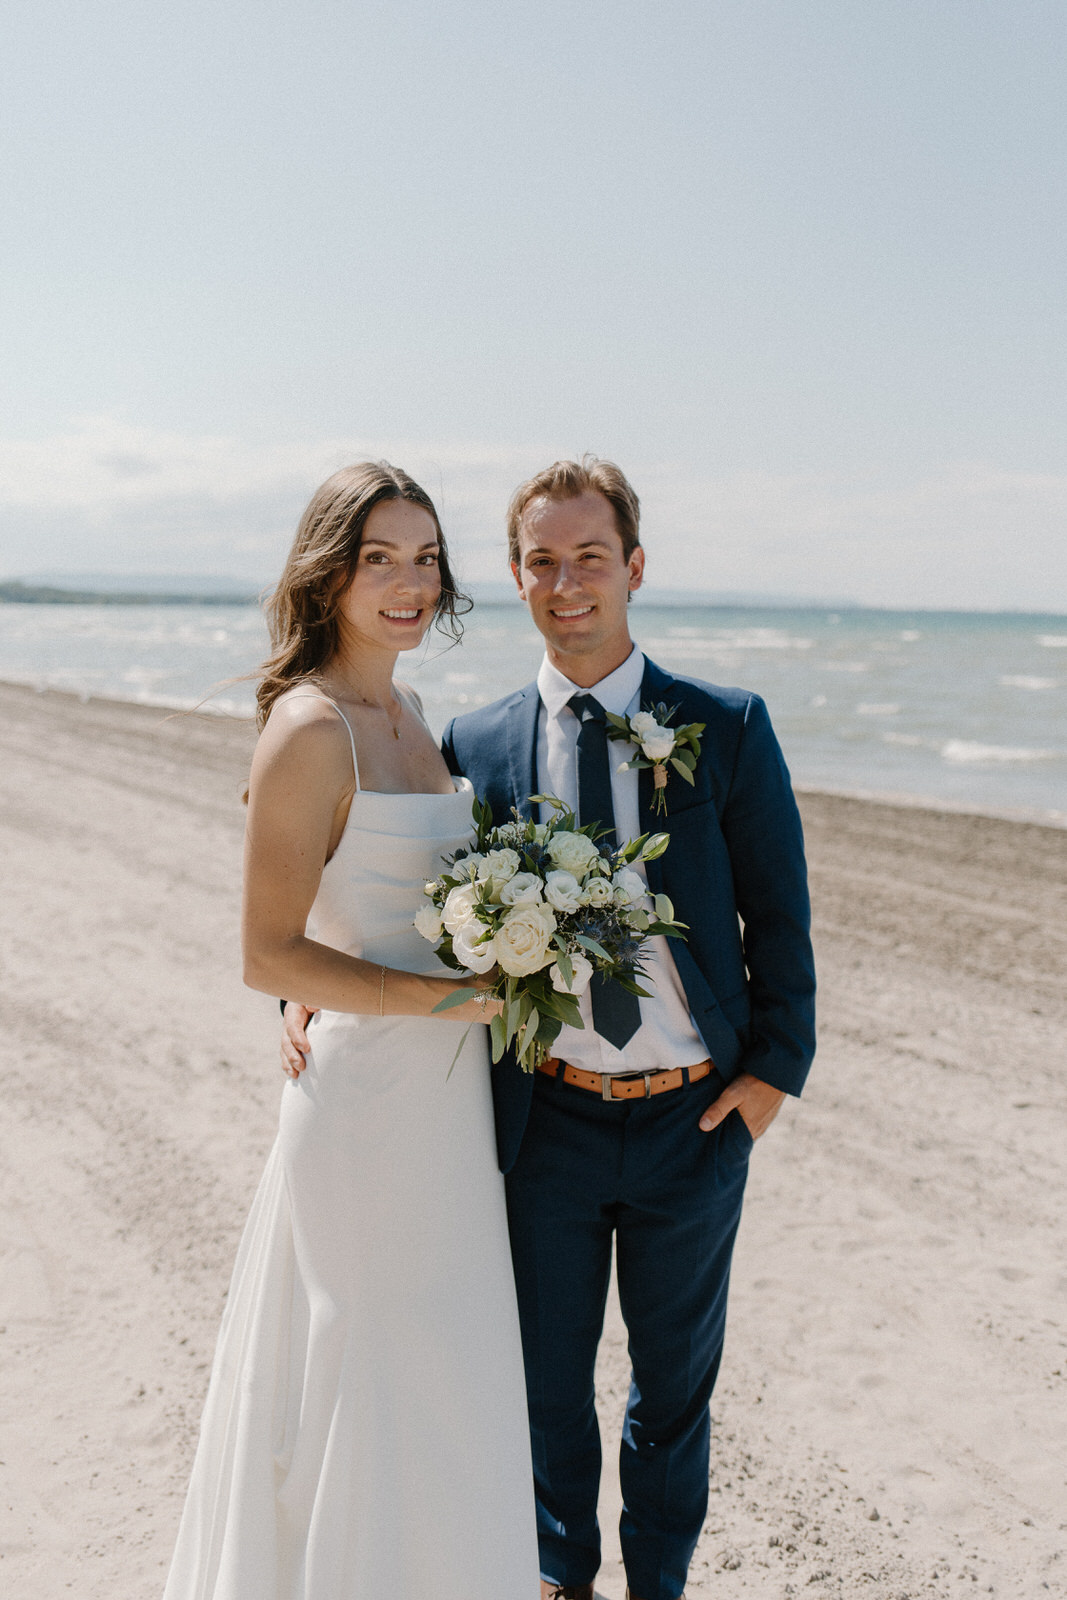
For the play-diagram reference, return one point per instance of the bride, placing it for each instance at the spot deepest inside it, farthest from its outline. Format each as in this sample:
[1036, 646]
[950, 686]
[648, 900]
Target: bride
[365, 1431]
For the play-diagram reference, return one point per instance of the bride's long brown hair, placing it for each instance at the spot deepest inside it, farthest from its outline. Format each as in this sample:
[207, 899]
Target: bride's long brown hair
[302, 609]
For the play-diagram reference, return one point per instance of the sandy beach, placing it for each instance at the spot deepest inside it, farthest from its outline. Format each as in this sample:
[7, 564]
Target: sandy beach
[891, 1421]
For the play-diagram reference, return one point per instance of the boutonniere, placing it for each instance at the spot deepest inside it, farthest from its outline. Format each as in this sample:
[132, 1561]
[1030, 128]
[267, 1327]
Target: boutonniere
[660, 745]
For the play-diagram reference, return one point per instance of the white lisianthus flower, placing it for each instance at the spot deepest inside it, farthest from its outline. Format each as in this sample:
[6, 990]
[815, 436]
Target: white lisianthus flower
[642, 724]
[571, 852]
[459, 907]
[469, 866]
[524, 888]
[598, 892]
[468, 948]
[428, 922]
[657, 743]
[563, 891]
[582, 972]
[522, 940]
[498, 866]
[629, 887]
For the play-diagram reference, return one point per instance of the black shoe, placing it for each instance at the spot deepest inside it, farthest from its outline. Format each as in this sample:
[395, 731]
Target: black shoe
[572, 1591]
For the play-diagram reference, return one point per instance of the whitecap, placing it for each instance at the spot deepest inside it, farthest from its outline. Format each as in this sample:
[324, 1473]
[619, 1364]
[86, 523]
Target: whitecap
[970, 750]
[716, 641]
[1053, 641]
[1021, 681]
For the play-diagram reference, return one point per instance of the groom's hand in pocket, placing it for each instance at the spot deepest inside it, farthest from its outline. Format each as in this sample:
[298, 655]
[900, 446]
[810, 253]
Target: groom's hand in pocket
[758, 1103]
[295, 1044]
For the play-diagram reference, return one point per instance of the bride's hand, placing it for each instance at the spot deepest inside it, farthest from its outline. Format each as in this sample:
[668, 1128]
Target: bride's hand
[482, 1007]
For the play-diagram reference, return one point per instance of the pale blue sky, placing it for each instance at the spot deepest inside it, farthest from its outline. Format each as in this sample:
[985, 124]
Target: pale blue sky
[799, 267]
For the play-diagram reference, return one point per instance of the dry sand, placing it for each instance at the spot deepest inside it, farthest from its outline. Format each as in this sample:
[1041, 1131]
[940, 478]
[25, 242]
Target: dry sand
[891, 1418]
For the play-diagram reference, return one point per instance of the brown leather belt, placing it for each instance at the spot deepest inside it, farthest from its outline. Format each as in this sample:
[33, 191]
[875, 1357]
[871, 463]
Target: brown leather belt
[632, 1086]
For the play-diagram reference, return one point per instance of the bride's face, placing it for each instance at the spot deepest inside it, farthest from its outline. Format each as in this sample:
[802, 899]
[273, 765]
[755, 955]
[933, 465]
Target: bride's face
[397, 582]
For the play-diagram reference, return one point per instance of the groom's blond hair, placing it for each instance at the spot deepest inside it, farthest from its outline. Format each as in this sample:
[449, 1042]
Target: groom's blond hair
[566, 480]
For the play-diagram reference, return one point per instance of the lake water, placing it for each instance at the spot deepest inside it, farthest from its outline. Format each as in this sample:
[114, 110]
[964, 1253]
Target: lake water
[961, 709]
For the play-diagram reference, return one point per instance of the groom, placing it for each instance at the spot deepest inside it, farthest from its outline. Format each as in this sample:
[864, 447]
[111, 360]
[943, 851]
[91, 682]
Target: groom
[642, 1126]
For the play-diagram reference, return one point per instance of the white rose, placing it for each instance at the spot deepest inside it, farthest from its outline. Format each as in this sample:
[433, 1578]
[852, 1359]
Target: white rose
[522, 940]
[563, 891]
[468, 948]
[628, 886]
[498, 866]
[523, 889]
[582, 971]
[642, 724]
[571, 852]
[459, 907]
[467, 866]
[657, 743]
[428, 922]
[598, 892]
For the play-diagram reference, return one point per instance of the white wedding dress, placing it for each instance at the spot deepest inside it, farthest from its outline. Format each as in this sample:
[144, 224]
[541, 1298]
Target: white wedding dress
[365, 1435]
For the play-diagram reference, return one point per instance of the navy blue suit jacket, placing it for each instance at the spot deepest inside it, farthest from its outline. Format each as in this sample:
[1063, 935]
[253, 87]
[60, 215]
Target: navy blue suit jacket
[734, 870]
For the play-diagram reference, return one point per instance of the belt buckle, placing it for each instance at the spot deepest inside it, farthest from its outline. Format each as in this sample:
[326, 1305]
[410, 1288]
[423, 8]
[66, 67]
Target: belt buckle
[608, 1078]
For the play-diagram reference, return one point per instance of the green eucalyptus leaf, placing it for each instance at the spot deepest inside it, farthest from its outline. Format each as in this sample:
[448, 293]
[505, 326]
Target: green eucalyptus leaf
[459, 1049]
[681, 770]
[458, 997]
[529, 1032]
[497, 1037]
[568, 1011]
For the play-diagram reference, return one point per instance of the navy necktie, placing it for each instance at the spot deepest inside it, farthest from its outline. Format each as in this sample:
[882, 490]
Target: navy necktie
[616, 1012]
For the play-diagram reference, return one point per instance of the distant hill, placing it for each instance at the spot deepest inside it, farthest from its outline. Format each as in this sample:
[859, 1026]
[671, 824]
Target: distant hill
[21, 592]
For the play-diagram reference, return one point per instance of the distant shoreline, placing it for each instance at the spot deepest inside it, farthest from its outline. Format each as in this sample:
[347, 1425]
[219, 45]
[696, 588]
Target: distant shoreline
[14, 591]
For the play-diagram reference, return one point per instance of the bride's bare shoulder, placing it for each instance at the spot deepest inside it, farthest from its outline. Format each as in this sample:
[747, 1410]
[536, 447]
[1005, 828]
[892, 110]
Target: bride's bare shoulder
[305, 725]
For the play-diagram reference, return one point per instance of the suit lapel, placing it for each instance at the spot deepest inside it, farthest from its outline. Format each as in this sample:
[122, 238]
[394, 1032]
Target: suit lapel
[656, 685]
[522, 746]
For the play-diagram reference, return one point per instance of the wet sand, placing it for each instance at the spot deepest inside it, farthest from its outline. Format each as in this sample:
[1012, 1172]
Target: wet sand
[891, 1416]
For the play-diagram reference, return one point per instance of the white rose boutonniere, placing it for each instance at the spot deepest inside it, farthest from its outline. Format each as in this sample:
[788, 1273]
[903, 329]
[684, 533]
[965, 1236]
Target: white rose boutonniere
[660, 746]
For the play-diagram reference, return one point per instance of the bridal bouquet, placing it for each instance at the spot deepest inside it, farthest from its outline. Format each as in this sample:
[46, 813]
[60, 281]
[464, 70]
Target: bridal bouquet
[545, 906]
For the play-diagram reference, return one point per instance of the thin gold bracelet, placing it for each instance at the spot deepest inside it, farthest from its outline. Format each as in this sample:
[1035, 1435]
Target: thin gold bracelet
[381, 994]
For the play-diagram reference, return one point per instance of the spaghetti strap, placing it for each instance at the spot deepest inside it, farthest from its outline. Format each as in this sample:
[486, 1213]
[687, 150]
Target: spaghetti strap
[344, 719]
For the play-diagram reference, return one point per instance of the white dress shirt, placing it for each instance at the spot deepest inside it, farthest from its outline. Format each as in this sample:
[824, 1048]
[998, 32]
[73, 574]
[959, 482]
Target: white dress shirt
[667, 1036]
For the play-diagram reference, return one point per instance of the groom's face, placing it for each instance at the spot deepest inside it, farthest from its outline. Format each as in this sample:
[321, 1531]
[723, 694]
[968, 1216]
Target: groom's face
[576, 581]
